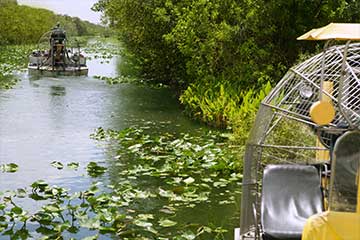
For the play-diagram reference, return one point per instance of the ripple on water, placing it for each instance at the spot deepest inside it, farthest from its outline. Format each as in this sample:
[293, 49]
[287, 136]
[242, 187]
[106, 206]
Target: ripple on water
[50, 119]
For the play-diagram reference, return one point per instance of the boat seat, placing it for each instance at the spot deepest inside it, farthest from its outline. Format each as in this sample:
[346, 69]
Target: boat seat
[290, 195]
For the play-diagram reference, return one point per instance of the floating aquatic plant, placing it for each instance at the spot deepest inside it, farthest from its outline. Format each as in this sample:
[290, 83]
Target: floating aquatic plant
[12, 58]
[158, 177]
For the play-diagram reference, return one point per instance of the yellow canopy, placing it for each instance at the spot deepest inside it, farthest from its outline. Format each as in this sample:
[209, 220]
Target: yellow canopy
[336, 31]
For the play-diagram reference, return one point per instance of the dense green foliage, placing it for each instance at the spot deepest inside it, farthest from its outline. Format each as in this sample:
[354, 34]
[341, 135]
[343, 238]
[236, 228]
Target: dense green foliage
[142, 33]
[23, 24]
[214, 105]
[162, 177]
[226, 47]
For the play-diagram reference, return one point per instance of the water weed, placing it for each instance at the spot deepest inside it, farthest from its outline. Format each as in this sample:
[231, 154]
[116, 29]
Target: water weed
[12, 59]
[160, 177]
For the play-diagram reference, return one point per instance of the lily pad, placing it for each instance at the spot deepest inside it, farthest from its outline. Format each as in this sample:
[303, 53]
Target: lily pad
[189, 180]
[167, 223]
[95, 170]
[73, 165]
[57, 165]
[9, 167]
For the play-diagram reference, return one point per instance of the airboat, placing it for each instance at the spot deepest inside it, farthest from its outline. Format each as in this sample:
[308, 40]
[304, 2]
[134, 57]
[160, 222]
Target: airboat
[56, 57]
[301, 175]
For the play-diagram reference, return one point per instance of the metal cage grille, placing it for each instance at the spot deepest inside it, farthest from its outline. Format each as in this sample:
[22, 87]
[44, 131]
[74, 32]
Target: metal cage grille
[302, 85]
[283, 131]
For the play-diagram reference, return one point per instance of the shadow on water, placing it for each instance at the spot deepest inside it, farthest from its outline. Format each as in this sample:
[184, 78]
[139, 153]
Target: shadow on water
[46, 119]
[57, 91]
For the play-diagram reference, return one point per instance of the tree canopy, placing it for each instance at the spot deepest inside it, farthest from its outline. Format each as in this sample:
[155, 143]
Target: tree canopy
[23, 24]
[219, 48]
[247, 42]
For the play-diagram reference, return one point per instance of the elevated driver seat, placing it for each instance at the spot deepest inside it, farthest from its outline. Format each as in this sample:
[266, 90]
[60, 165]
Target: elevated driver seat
[290, 195]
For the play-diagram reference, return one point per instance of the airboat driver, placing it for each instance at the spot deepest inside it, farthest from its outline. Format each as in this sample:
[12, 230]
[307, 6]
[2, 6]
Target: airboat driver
[57, 39]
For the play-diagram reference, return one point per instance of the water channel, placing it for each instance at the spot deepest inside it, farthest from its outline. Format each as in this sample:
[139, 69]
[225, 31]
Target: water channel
[46, 119]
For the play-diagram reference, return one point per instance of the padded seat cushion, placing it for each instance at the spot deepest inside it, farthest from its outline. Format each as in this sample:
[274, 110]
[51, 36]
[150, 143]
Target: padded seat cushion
[290, 195]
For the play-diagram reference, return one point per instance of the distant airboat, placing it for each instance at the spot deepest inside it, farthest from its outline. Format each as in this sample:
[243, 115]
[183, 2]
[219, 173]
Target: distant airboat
[56, 57]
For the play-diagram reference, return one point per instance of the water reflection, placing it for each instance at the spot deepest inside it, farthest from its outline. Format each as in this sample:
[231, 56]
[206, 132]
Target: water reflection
[50, 118]
[46, 119]
[57, 91]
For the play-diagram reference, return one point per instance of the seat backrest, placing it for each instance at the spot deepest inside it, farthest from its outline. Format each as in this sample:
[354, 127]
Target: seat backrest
[290, 195]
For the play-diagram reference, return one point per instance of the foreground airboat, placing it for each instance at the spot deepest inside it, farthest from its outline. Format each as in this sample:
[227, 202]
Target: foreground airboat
[55, 57]
[302, 161]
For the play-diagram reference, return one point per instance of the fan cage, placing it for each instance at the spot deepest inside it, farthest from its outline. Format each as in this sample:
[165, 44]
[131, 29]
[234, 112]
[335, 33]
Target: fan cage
[283, 131]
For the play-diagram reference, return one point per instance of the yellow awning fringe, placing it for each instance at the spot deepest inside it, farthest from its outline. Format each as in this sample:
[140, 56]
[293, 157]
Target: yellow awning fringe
[335, 31]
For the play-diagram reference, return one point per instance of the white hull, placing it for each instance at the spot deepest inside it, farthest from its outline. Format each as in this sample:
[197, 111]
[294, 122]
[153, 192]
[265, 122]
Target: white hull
[58, 70]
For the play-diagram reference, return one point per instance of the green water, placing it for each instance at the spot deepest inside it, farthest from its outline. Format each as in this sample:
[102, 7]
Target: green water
[46, 119]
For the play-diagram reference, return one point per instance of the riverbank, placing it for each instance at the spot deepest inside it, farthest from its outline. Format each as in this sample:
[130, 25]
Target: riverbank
[219, 52]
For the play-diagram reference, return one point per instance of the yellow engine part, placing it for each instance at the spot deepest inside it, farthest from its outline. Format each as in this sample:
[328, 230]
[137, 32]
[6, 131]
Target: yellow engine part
[322, 112]
[332, 225]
